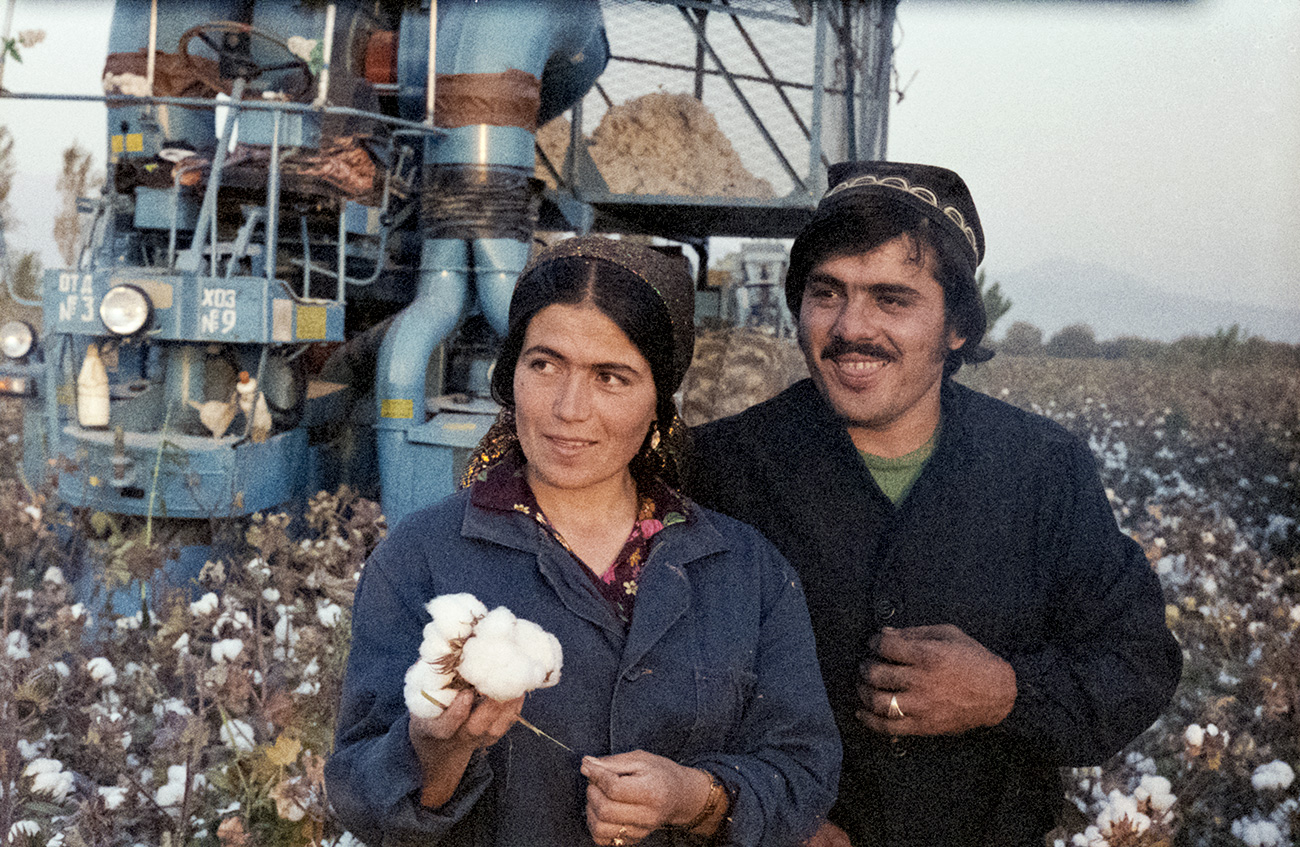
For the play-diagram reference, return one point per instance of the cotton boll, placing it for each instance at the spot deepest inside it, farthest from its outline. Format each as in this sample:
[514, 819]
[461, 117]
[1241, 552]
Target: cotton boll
[101, 670]
[1157, 792]
[423, 678]
[543, 649]
[113, 796]
[1194, 735]
[497, 624]
[173, 791]
[49, 777]
[434, 646]
[1277, 774]
[28, 828]
[1119, 808]
[17, 647]
[205, 605]
[237, 734]
[495, 667]
[1257, 833]
[454, 614]
[329, 614]
[227, 650]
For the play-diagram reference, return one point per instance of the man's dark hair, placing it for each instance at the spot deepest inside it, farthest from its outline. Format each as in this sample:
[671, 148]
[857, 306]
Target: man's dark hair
[875, 221]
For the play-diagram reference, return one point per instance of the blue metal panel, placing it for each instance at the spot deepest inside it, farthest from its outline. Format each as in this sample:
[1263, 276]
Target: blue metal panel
[452, 429]
[236, 309]
[181, 476]
[257, 126]
[159, 208]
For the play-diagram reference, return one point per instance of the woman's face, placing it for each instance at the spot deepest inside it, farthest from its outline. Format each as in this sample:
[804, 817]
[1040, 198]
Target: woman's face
[584, 399]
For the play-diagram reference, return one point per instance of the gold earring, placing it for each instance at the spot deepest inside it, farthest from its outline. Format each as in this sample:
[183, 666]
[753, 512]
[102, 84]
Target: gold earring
[654, 436]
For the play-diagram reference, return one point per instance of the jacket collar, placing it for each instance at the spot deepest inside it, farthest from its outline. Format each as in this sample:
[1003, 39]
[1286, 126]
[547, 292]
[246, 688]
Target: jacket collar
[665, 580]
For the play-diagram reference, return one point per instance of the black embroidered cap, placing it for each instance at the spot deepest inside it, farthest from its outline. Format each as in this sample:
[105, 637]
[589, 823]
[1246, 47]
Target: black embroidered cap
[938, 192]
[859, 188]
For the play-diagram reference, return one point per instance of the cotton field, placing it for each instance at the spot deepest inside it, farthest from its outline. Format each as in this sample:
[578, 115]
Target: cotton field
[205, 718]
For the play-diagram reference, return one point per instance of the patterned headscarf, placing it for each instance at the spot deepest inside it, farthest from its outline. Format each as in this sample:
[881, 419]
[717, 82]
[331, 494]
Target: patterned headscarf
[670, 279]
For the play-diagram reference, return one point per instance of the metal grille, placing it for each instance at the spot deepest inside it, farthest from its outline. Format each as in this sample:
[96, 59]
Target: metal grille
[754, 64]
[766, 47]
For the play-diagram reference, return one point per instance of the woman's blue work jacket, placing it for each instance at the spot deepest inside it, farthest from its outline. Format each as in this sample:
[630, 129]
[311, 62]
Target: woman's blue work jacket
[717, 670]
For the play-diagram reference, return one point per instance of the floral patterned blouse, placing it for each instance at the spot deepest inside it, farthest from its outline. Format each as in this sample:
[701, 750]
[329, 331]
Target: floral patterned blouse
[503, 487]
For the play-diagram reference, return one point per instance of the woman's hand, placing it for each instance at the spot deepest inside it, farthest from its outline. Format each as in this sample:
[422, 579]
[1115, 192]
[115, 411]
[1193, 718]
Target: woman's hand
[444, 744]
[630, 795]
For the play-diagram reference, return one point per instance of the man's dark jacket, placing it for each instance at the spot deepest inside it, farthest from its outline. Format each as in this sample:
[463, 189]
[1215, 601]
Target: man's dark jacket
[1007, 534]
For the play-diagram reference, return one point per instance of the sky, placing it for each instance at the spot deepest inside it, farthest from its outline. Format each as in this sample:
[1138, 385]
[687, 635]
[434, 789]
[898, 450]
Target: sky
[1161, 139]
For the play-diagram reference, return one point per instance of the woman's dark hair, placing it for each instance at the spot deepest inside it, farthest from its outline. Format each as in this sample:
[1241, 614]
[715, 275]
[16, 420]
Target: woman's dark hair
[875, 222]
[621, 296]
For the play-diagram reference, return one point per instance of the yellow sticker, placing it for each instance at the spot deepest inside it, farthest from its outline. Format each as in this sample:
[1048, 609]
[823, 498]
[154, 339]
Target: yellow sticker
[94, 481]
[116, 144]
[135, 143]
[311, 322]
[459, 427]
[397, 409]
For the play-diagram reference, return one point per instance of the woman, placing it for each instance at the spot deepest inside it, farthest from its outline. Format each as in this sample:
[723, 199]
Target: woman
[690, 698]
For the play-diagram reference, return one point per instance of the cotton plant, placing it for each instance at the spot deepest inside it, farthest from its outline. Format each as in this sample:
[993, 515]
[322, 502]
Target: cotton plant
[465, 646]
[1129, 806]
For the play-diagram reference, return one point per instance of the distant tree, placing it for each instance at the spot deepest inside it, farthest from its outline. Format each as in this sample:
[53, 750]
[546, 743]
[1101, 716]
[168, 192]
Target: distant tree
[27, 275]
[1022, 339]
[25, 282]
[1132, 347]
[6, 175]
[996, 304]
[1076, 341]
[74, 182]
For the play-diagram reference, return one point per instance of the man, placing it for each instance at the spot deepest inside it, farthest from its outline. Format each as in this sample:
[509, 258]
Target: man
[980, 619]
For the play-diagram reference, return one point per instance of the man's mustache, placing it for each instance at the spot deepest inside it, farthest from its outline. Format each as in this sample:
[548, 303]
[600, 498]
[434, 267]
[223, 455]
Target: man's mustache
[838, 346]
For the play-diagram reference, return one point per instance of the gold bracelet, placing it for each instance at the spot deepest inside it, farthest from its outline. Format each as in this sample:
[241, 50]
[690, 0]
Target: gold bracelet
[710, 804]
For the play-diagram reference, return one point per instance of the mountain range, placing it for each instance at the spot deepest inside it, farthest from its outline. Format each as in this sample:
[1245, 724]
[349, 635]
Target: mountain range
[1059, 292]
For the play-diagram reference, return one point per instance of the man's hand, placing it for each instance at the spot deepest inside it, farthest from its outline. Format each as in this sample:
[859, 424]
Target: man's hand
[943, 681]
[829, 835]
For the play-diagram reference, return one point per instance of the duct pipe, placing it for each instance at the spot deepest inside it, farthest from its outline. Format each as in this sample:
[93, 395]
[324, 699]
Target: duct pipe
[417, 330]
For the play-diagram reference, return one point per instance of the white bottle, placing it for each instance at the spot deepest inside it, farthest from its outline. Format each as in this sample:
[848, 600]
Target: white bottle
[246, 390]
[92, 391]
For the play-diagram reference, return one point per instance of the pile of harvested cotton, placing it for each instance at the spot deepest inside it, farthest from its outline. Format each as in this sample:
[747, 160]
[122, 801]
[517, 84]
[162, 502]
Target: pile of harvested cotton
[659, 144]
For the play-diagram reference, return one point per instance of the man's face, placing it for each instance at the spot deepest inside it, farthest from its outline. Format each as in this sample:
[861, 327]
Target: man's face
[872, 329]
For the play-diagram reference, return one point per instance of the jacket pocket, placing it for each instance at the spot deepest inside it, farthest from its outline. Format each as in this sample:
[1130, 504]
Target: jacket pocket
[721, 694]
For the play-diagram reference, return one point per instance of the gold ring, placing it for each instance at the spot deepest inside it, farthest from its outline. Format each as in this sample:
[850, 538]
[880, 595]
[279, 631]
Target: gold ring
[621, 838]
[894, 710]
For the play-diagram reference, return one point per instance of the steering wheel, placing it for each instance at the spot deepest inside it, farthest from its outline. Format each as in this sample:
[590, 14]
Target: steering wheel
[245, 51]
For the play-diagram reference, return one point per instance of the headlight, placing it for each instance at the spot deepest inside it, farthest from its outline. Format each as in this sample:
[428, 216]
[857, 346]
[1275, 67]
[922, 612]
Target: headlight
[125, 310]
[16, 339]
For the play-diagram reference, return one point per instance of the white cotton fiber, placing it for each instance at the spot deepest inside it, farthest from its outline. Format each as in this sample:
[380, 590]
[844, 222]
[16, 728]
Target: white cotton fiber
[422, 678]
[497, 625]
[543, 648]
[454, 614]
[434, 646]
[496, 668]
[501, 656]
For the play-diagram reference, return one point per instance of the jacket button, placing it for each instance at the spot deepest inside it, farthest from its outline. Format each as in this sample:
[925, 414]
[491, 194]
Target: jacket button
[631, 674]
[885, 609]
